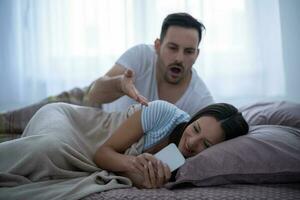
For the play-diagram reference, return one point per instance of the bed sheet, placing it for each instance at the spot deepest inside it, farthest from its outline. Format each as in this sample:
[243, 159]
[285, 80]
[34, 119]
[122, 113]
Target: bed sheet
[224, 192]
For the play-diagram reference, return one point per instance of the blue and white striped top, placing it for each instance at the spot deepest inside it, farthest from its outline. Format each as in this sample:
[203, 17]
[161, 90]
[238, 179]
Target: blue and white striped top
[159, 118]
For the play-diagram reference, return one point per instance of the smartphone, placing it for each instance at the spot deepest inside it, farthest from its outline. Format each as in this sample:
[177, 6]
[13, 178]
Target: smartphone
[171, 156]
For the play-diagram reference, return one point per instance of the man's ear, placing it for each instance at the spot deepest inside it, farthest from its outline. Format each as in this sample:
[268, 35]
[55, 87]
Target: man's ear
[198, 52]
[157, 45]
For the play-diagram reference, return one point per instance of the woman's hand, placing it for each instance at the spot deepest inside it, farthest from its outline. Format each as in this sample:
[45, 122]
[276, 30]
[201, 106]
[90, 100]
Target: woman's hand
[148, 172]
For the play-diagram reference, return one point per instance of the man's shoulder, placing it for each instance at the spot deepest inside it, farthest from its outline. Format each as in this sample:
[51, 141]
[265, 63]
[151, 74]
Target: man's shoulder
[197, 90]
[196, 80]
[143, 53]
[145, 61]
[143, 48]
[138, 58]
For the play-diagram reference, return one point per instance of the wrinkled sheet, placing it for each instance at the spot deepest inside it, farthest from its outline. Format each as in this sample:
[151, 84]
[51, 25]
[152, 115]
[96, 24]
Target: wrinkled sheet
[54, 157]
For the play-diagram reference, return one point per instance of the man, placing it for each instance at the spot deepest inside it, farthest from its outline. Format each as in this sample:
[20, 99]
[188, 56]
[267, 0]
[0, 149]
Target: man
[143, 73]
[163, 71]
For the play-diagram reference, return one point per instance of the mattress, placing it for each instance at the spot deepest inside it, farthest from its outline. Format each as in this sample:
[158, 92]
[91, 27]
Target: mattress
[239, 191]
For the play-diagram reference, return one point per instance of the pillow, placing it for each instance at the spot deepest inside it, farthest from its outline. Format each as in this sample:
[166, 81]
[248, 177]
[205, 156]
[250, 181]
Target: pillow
[276, 113]
[268, 154]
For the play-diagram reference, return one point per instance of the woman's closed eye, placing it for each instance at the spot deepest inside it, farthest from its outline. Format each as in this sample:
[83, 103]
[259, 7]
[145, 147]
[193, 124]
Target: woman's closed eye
[207, 144]
[196, 127]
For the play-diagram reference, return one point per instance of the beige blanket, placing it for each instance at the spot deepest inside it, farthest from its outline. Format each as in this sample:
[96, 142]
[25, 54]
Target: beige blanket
[53, 158]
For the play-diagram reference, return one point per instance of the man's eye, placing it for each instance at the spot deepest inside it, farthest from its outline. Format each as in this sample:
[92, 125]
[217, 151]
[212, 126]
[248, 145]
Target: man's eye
[189, 52]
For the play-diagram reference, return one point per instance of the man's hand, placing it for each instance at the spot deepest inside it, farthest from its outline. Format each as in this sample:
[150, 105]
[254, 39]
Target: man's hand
[128, 88]
[117, 82]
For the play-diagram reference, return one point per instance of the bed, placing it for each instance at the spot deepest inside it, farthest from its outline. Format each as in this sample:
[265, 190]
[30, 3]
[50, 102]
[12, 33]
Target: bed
[264, 164]
[232, 191]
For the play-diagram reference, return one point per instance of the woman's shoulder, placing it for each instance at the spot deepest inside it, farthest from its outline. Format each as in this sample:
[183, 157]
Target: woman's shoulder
[159, 119]
[161, 112]
[161, 104]
[163, 108]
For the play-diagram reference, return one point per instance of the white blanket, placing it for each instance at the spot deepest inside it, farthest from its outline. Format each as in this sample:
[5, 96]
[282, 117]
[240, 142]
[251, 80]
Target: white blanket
[54, 157]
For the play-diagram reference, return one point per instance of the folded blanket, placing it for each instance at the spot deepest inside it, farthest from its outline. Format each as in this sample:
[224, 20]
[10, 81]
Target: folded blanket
[54, 157]
[13, 123]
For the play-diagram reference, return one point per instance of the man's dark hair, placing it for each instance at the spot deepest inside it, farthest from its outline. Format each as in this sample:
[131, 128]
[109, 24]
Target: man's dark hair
[183, 20]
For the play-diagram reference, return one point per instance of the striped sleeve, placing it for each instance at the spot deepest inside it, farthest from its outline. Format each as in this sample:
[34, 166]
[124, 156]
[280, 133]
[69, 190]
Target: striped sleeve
[159, 119]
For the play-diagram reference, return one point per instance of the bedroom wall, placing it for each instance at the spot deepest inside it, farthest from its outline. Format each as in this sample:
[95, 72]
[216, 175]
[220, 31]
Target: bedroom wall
[290, 25]
[6, 49]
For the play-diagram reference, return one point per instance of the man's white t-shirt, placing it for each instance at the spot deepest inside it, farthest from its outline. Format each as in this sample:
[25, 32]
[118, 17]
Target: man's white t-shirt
[142, 59]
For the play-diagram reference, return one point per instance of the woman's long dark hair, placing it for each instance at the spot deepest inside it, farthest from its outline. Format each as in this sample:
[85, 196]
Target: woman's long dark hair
[232, 121]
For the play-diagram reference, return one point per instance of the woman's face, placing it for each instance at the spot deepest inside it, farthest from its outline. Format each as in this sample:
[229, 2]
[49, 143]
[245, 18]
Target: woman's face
[199, 135]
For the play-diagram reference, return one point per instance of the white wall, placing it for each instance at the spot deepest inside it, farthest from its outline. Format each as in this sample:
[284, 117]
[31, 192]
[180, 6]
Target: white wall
[6, 48]
[290, 25]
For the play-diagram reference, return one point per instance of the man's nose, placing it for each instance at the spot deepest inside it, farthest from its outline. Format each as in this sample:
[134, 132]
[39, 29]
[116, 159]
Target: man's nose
[179, 56]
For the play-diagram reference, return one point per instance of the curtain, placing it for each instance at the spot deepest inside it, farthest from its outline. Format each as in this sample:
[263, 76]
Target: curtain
[48, 46]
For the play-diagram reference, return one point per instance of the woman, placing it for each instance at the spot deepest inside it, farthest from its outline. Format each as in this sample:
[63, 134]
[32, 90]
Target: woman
[210, 126]
[78, 147]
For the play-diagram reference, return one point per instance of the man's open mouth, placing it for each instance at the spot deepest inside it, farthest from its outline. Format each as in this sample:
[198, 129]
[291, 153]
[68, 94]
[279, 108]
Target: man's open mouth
[176, 69]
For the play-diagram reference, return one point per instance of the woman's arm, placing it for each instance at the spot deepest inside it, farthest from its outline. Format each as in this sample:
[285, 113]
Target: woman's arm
[110, 155]
[144, 170]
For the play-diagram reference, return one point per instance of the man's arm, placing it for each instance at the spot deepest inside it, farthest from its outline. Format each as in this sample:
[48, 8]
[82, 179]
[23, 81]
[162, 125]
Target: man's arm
[118, 81]
[108, 87]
